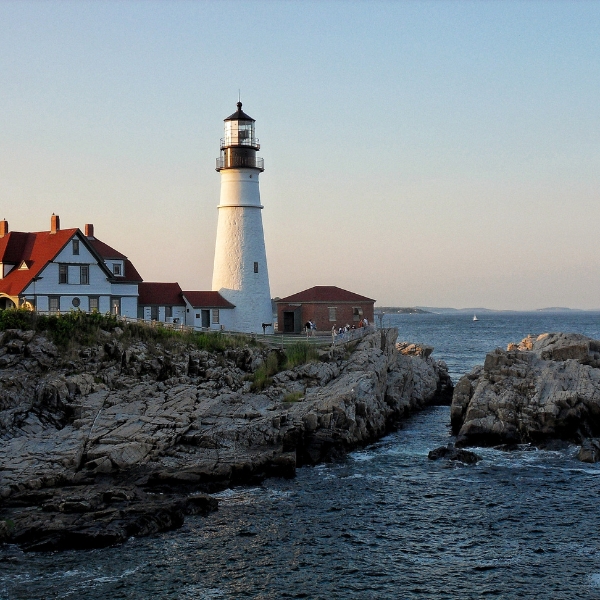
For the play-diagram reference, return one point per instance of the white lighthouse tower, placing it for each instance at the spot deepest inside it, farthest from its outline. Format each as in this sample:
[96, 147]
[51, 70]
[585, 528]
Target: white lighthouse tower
[240, 272]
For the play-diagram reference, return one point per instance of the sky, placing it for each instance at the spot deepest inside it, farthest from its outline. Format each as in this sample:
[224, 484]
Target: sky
[440, 153]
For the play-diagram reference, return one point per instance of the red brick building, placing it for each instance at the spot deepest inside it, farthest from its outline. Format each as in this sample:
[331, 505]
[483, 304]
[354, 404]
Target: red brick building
[326, 305]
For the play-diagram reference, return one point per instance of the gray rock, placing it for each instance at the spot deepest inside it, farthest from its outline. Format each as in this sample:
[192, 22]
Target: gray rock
[449, 452]
[543, 388]
[589, 451]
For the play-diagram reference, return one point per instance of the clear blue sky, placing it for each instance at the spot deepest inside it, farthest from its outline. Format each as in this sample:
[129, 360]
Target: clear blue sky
[421, 153]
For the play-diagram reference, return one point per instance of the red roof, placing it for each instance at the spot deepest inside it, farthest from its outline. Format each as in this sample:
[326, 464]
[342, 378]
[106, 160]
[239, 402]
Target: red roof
[131, 273]
[325, 293]
[104, 250]
[37, 249]
[12, 247]
[207, 300]
[162, 294]
[107, 252]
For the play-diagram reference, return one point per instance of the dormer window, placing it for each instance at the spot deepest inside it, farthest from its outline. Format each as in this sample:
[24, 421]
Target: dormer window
[116, 269]
[75, 247]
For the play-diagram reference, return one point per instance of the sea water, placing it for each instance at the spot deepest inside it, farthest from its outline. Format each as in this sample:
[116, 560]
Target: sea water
[386, 522]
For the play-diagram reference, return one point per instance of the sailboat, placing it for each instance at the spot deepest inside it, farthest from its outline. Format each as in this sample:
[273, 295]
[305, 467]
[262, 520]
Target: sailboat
[475, 318]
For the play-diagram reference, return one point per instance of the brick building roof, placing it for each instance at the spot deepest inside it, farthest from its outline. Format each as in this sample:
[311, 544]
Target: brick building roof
[162, 294]
[207, 300]
[325, 293]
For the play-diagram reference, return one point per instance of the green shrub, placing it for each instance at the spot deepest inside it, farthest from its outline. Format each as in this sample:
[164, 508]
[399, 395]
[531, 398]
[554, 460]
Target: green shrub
[293, 397]
[14, 318]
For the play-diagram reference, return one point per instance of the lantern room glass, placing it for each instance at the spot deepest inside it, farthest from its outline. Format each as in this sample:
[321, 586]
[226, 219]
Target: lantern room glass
[239, 133]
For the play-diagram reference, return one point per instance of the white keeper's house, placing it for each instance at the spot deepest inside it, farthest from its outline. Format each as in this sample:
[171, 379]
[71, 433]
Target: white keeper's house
[65, 269]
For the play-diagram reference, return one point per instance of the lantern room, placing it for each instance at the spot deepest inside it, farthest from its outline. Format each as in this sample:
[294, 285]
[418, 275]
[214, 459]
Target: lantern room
[239, 145]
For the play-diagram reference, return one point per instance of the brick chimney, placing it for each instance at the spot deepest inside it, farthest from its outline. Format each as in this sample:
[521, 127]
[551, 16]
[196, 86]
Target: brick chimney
[89, 230]
[54, 223]
[3, 228]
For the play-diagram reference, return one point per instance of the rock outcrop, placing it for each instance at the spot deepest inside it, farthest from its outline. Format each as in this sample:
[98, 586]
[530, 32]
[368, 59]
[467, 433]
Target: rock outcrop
[546, 387]
[451, 453]
[120, 439]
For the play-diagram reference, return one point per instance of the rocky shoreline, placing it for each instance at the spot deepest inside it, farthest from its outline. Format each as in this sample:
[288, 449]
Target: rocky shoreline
[125, 438]
[545, 388]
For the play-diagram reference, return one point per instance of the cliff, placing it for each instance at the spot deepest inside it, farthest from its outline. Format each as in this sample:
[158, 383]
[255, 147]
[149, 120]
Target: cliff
[123, 439]
[546, 387]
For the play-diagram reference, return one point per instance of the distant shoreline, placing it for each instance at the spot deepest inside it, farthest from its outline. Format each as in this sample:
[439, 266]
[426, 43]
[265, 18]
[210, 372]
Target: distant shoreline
[477, 310]
[402, 310]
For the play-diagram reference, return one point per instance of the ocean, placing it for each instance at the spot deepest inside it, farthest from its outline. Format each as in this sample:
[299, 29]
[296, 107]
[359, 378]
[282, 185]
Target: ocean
[385, 522]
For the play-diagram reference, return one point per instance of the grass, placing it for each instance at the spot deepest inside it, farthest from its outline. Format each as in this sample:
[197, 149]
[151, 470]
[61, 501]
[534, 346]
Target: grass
[63, 329]
[263, 375]
[77, 327]
[300, 353]
[293, 397]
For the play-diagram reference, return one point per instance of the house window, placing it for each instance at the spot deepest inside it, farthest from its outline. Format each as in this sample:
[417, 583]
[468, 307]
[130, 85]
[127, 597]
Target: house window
[76, 302]
[332, 313]
[63, 273]
[215, 316]
[53, 304]
[75, 247]
[84, 276]
[357, 313]
[168, 312]
[116, 268]
[197, 315]
[94, 304]
[115, 306]
[256, 267]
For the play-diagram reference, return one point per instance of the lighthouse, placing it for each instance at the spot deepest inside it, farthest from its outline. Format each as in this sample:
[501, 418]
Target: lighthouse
[240, 272]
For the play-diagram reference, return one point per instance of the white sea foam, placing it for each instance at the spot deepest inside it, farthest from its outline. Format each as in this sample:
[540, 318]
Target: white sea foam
[198, 592]
[238, 495]
[362, 456]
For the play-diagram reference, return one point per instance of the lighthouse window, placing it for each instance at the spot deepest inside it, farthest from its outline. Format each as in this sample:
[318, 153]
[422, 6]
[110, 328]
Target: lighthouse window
[256, 267]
